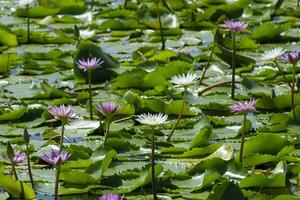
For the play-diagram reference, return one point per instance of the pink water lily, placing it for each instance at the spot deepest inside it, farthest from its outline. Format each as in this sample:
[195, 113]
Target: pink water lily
[56, 158]
[62, 112]
[235, 26]
[108, 108]
[111, 197]
[247, 106]
[292, 57]
[89, 63]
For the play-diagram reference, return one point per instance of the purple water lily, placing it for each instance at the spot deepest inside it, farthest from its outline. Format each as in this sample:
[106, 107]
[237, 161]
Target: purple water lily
[108, 108]
[18, 158]
[62, 112]
[235, 26]
[89, 63]
[292, 57]
[56, 158]
[111, 197]
[247, 106]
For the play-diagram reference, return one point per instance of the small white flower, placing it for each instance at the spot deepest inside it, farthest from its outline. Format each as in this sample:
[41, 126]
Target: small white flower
[86, 18]
[152, 119]
[84, 34]
[25, 2]
[184, 80]
[3, 83]
[272, 54]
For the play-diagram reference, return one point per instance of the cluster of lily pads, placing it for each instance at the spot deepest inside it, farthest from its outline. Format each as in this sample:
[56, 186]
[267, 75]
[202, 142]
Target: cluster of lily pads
[157, 125]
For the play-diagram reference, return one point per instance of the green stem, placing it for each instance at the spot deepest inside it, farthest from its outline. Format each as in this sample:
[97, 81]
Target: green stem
[56, 182]
[14, 171]
[160, 26]
[298, 3]
[90, 94]
[233, 66]
[179, 116]
[123, 119]
[92, 5]
[243, 138]
[106, 132]
[153, 164]
[283, 75]
[214, 85]
[207, 64]
[28, 24]
[61, 146]
[293, 93]
[29, 167]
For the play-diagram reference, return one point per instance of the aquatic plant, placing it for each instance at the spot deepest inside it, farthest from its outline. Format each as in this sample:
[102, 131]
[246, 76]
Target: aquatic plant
[243, 108]
[152, 120]
[234, 27]
[26, 139]
[56, 158]
[15, 157]
[108, 109]
[89, 65]
[182, 81]
[63, 114]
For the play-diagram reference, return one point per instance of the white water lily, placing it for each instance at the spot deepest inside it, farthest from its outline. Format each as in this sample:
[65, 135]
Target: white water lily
[184, 80]
[23, 3]
[84, 34]
[272, 54]
[152, 119]
[3, 83]
[86, 18]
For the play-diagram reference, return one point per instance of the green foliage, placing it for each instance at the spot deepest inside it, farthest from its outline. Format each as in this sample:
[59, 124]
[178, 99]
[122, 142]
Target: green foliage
[16, 189]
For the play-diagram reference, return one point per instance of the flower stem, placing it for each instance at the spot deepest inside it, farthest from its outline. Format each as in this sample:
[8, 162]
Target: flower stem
[56, 182]
[92, 5]
[179, 116]
[283, 75]
[160, 25]
[106, 132]
[61, 146]
[293, 93]
[214, 85]
[90, 94]
[153, 165]
[28, 24]
[233, 65]
[14, 171]
[29, 167]
[207, 64]
[243, 137]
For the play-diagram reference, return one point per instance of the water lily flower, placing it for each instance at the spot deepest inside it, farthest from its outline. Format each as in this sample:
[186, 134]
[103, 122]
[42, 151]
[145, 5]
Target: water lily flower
[3, 83]
[292, 57]
[89, 63]
[18, 157]
[84, 34]
[56, 158]
[272, 54]
[184, 80]
[109, 108]
[111, 197]
[23, 3]
[152, 119]
[247, 106]
[243, 108]
[235, 26]
[62, 112]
